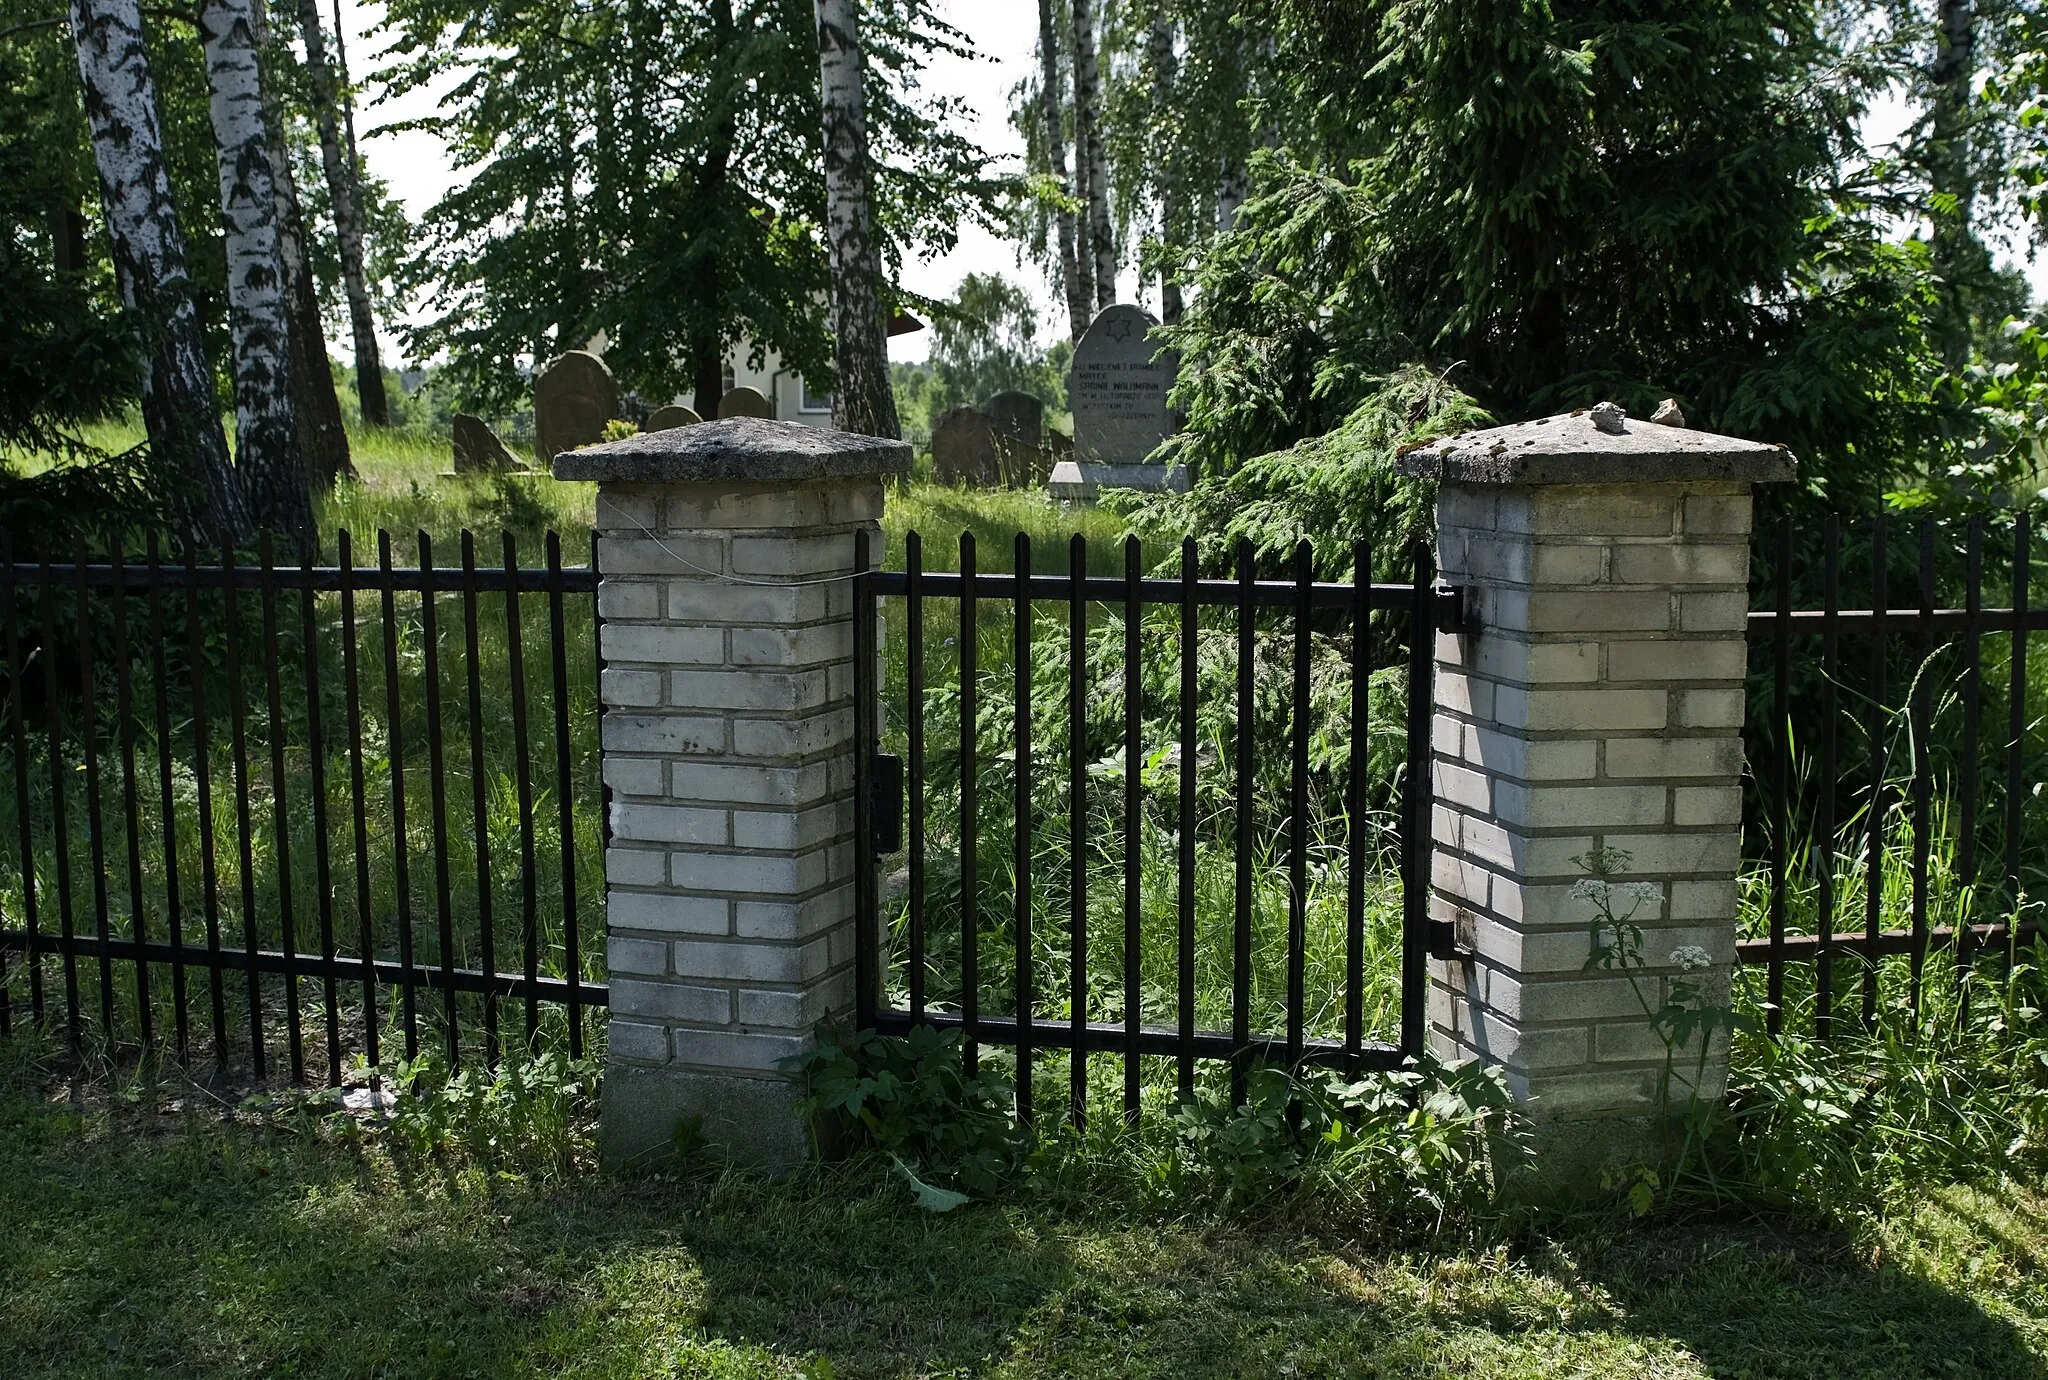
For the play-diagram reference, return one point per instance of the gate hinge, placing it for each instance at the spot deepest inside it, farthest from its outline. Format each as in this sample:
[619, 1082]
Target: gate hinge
[1453, 613]
[885, 803]
[1443, 942]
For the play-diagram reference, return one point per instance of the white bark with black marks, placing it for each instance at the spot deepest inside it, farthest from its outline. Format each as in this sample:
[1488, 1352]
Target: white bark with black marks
[267, 454]
[1164, 70]
[1089, 155]
[864, 403]
[1077, 278]
[178, 403]
[337, 160]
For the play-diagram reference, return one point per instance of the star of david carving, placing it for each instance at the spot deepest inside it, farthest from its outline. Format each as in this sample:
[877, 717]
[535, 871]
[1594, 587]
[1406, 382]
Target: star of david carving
[1119, 329]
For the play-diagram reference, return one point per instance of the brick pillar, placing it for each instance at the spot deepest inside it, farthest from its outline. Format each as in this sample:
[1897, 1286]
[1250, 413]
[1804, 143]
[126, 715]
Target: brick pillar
[728, 747]
[1596, 702]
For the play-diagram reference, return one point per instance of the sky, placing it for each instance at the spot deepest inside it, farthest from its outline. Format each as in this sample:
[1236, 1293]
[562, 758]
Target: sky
[1004, 34]
[417, 168]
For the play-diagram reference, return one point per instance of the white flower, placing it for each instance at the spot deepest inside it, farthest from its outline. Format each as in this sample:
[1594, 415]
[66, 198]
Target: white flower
[1691, 957]
[1590, 889]
[1642, 893]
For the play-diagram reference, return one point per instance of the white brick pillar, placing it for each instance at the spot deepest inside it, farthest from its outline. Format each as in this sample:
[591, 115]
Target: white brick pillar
[1596, 702]
[724, 550]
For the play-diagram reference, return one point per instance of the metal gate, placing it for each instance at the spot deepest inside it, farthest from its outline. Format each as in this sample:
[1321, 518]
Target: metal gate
[1165, 821]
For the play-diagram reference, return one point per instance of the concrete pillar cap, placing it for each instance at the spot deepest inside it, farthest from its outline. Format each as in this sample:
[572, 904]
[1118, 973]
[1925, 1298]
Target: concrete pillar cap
[1575, 448]
[736, 450]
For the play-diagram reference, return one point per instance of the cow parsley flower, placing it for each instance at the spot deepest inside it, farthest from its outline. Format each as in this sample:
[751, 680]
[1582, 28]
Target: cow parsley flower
[1691, 958]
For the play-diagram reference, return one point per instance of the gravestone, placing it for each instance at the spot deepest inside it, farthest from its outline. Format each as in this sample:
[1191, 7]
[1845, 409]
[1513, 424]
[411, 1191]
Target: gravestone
[1018, 416]
[478, 449]
[964, 447]
[744, 401]
[572, 400]
[1119, 390]
[669, 417]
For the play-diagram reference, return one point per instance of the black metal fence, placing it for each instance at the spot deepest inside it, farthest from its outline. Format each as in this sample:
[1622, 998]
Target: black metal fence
[1895, 761]
[214, 843]
[1168, 819]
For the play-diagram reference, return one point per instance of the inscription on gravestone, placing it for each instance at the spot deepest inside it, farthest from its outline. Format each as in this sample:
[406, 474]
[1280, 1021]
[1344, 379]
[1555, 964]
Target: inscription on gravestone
[572, 400]
[1119, 390]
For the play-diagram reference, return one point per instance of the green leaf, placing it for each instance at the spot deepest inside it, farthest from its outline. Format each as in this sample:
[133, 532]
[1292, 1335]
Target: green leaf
[930, 1197]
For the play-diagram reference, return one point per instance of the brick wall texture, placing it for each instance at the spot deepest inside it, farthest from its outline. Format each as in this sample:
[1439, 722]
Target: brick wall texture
[1599, 704]
[728, 731]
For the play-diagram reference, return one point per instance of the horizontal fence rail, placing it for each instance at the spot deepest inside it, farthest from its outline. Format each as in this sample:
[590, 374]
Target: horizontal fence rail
[1894, 752]
[260, 806]
[1170, 821]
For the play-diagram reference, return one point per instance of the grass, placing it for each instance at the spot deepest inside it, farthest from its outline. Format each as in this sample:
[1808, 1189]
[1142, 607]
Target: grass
[136, 1240]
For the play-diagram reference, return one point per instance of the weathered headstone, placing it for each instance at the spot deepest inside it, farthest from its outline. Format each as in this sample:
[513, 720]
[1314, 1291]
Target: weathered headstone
[964, 447]
[1018, 416]
[669, 417]
[572, 400]
[744, 401]
[1119, 390]
[478, 449]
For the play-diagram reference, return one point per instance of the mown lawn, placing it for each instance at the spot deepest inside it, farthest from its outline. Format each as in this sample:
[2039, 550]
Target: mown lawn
[135, 1241]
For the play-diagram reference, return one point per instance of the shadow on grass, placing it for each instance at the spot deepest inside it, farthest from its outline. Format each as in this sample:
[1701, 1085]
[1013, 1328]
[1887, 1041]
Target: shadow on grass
[141, 1244]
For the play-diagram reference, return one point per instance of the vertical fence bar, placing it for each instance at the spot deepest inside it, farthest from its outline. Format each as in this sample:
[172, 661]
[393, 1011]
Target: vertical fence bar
[1356, 803]
[167, 819]
[522, 762]
[1184, 947]
[1134, 769]
[913, 663]
[970, 908]
[401, 852]
[281, 821]
[25, 827]
[1923, 802]
[238, 729]
[131, 810]
[2015, 796]
[1824, 803]
[316, 772]
[865, 921]
[1021, 927]
[1077, 825]
[437, 795]
[1781, 776]
[96, 842]
[202, 777]
[1244, 729]
[1973, 702]
[352, 704]
[1873, 883]
[479, 803]
[60, 825]
[1297, 811]
[572, 957]
[1416, 850]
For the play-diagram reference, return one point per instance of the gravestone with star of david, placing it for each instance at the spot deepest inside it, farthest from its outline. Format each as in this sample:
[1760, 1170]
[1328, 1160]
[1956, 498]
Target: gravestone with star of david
[1118, 393]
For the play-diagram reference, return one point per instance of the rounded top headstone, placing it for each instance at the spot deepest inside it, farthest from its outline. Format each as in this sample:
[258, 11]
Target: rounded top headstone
[735, 449]
[670, 416]
[1601, 445]
[573, 397]
[1017, 415]
[745, 401]
[1120, 382]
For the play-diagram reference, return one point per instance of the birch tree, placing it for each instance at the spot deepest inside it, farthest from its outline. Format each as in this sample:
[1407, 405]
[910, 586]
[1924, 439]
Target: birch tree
[148, 245]
[1077, 278]
[337, 160]
[1166, 185]
[1088, 154]
[266, 430]
[864, 402]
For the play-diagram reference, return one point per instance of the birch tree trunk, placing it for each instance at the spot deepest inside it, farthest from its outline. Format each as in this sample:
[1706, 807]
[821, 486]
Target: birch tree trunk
[864, 403]
[267, 454]
[1089, 155]
[1077, 278]
[339, 162]
[1168, 184]
[323, 439]
[178, 404]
